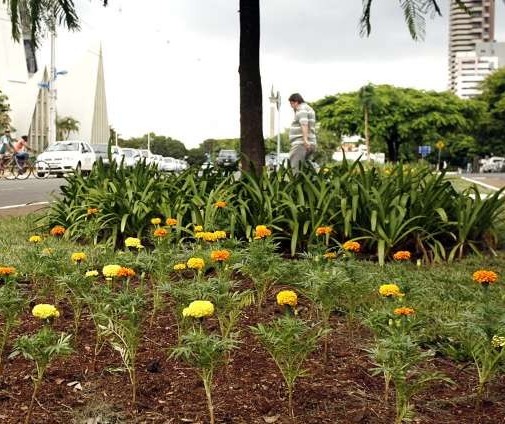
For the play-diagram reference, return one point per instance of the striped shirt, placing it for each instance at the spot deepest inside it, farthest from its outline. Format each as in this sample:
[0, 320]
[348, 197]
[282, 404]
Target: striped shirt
[304, 115]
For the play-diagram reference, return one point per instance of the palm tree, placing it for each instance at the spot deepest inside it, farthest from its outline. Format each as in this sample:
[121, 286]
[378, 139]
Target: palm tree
[65, 126]
[251, 121]
[366, 96]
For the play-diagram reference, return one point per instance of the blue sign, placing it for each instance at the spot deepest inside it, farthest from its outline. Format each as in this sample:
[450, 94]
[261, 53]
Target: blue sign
[424, 150]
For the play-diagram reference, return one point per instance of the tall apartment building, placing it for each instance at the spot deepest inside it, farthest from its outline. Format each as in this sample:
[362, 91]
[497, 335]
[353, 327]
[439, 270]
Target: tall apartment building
[467, 29]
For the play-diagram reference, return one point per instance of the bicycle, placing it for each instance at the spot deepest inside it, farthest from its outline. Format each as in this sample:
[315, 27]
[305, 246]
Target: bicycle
[22, 169]
[6, 164]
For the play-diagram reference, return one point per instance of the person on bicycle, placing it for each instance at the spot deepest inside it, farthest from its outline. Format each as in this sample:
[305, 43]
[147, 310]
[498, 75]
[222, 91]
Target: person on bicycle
[6, 144]
[21, 149]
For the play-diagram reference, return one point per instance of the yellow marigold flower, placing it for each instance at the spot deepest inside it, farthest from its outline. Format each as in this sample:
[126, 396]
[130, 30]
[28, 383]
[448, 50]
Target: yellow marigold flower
[220, 234]
[322, 231]
[287, 297]
[45, 311]
[485, 277]
[498, 341]
[171, 221]
[92, 211]
[57, 230]
[351, 246]
[198, 228]
[330, 255]
[220, 204]
[199, 309]
[180, 267]
[220, 255]
[402, 255]
[208, 236]
[7, 270]
[47, 251]
[199, 235]
[262, 231]
[390, 290]
[92, 273]
[78, 257]
[196, 263]
[156, 221]
[160, 232]
[125, 272]
[132, 242]
[110, 271]
[35, 239]
[404, 311]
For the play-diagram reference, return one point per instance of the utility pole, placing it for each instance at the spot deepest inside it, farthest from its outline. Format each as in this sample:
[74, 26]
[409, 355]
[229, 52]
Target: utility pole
[51, 127]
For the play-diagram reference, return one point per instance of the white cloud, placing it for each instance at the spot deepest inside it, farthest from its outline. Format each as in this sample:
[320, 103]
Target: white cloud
[172, 66]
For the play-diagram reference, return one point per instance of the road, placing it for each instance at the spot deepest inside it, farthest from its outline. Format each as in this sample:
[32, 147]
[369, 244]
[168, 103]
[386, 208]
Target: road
[15, 194]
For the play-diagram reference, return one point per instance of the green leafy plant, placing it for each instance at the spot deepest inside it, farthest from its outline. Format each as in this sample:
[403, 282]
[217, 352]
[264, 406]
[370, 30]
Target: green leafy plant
[289, 341]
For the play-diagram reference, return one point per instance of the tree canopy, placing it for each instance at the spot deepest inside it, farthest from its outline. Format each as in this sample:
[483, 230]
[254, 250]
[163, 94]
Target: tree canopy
[401, 119]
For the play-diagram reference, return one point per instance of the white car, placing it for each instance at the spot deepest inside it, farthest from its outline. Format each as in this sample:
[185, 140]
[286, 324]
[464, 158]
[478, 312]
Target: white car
[493, 164]
[168, 164]
[131, 156]
[68, 156]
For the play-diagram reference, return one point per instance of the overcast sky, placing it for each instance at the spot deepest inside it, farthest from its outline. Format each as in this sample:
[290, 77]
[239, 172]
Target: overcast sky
[171, 66]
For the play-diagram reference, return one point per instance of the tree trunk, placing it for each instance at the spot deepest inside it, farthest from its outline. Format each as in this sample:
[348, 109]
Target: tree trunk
[367, 136]
[252, 145]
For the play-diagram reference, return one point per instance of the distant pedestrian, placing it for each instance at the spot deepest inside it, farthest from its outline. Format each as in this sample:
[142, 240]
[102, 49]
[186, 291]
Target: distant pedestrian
[6, 145]
[302, 133]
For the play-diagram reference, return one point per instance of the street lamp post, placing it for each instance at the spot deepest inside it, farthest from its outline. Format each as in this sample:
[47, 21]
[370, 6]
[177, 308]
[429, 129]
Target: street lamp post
[51, 126]
[276, 100]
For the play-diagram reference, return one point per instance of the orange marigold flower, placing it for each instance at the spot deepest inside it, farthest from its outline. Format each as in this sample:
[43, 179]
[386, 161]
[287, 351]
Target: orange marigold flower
[262, 231]
[171, 221]
[160, 232]
[352, 246]
[330, 255]
[220, 255]
[57, 230]
[125, 272]
[483, 276]
[7, 270]
[321, 231]
[220, 204]
[404, 311]
[92, 211]
[402, 255]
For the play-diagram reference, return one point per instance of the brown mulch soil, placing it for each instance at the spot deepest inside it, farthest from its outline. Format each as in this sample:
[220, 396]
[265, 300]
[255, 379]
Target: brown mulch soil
[248, 390]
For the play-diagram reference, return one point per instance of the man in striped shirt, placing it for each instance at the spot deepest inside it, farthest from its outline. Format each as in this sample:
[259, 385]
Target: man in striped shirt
[302, 134]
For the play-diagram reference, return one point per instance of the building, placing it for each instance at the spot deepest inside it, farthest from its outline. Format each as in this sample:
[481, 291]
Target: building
[80, 92]
[466, 30]
[474, 66]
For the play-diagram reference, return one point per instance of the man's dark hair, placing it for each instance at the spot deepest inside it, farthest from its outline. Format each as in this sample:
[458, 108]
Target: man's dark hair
[296, 97]
[25, 138]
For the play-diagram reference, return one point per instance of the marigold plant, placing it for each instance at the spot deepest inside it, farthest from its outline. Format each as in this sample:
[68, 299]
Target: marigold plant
[390, 290]
[92, 211]
[404, 311]
[45, 311]
[199, 309]
[5, 271]
[402, 255]
[171, 221]
[110, 271]
[322, 231]
[57, 231]
[160, 232]
[35, 239]
[198, 228]
[261, 232]
[220, 255]
[220, 204]
[48, 251]
[498, 341]
[485, 277]
[330, 255]
[78, 257]
[196, 263]
[91, 273]
[351, 246]
[124, 272]
[133, 242]
[287, 297]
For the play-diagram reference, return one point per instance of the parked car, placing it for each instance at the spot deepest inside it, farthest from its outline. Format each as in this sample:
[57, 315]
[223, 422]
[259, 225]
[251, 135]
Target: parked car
[101, 153]
[493, 164]
[131, 156]
[227, 159]
[168, 164]
[68, 156]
